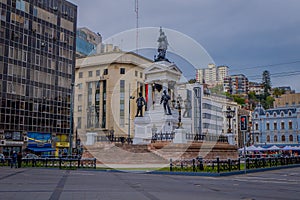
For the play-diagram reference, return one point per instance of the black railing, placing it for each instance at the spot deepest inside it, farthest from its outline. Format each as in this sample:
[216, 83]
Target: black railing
[228, 165]
[168, 136]
[62, 163]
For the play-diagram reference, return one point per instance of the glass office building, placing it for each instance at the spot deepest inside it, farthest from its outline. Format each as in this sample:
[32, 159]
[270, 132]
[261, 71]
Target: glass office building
[37, 62]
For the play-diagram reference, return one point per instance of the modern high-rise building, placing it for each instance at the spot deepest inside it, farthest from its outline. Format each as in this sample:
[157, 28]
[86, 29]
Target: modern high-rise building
[236, 84]
[87, 42]
[212, 75]
[37, 64]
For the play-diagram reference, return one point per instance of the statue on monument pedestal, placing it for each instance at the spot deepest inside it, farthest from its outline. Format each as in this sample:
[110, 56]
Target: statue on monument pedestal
[162, 46]
[165, 100]
[140, 101]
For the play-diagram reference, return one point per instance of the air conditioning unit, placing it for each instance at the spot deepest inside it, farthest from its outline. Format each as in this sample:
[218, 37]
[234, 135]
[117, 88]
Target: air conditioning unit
[2, 142]
[25, 138]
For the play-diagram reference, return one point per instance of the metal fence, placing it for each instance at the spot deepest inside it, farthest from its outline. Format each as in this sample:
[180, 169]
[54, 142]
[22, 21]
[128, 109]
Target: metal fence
[168, 136]
[62, 163]
[228, 165]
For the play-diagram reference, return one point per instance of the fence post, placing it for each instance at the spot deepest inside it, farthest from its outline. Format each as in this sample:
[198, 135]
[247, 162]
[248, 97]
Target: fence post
[218, 164]
[95, 163]
[239, 164]
[229, 164]
[78, 163]
[194, 167]
[59, 163]
[171, 165]
[247, 164]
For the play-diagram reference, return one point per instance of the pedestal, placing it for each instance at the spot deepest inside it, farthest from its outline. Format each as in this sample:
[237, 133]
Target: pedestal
[231, 140]
[91, 138]
[180, 136]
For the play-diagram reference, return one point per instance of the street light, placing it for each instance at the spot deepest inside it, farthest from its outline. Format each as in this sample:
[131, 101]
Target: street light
[229, 116]
[128, 138]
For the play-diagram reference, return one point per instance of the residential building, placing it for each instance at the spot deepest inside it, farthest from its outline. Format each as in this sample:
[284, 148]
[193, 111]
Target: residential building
[236, 84]
[105, 87]
[37, 62]
[287, 100]
[212, 75]
[278, 126]
[257, 88]
[87, 42]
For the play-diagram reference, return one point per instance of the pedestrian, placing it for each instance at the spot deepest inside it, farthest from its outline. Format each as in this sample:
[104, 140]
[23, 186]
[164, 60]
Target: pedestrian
[19, 159]
[13, 161]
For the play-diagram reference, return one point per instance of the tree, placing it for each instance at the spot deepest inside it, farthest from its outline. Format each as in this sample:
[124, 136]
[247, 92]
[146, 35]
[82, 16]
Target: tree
[266, 81]
[191, 81]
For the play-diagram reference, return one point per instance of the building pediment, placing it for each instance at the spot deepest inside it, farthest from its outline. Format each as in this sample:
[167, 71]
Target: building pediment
[163, 66]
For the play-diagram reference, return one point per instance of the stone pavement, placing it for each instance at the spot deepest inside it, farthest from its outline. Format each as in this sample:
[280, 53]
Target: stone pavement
[52, 184]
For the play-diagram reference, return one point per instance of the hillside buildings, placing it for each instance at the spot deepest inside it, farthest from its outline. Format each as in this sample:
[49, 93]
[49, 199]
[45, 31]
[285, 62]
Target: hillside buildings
[212, 75]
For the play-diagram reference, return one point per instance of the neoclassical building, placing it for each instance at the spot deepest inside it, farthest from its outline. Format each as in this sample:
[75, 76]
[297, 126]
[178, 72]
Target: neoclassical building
[279, 126]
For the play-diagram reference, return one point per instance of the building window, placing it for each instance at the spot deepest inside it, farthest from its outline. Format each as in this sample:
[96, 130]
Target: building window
[267, 115]
[79, 97]
[79, 122]
[256, 126]
[268, 126]
[291, 138]
[275, 125]
[97, 72]
[282, 125]
[268, 138]
[283, 138]
[79, 108]
[290, 125]
[290, 113]
[275, 138]
[136, 73]
[274, 114]
[105, 72]
[141, 75]
[80, 75]
[122, 70]
[90, 73]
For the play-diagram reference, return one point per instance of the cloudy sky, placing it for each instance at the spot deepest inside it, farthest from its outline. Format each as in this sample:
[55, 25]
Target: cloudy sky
[248, 36]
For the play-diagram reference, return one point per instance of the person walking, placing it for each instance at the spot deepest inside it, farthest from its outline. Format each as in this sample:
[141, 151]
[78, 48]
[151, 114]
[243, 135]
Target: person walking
[19, 159]
[13, 161]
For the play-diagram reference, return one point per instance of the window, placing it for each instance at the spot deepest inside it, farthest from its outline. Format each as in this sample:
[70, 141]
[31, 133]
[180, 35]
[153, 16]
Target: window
[290, 125]
[267, 115]
[282, 114]
[275, 138]
[282, 125]
[274, 114]
[275, 125]
[283, 138]
[136, 73]
[141, 75]
[105, 72]
[79, 122]
[80, 75]
[268, 138]
[80, 97]
[268, 126]
[290, 113]
[79, 108]
[256, 126]
[291, 138]
[122, 70]
[90, 73]
[97, 72]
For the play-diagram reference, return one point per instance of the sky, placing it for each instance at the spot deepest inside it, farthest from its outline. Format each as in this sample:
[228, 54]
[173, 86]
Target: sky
[247, 36]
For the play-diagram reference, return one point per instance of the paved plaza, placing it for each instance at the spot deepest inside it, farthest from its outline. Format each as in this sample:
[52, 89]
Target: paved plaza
[52, 184]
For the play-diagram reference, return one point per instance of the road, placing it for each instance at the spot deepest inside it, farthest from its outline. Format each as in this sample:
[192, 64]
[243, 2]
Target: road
[52, 184]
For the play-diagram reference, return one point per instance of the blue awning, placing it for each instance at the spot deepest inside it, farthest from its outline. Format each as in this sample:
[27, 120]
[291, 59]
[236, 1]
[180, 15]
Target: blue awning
[41, 149]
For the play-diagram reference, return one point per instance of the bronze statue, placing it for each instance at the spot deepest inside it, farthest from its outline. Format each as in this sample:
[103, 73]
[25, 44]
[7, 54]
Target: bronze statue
[140, 101]
[165, 100]
[162, 46]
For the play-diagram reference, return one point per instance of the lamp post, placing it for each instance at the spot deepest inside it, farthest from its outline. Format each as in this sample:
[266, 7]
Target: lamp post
[229, 116]
[179, 113]
[130, 97]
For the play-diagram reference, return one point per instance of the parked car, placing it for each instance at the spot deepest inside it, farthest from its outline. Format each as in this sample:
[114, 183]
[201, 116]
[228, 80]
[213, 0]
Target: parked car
[2, 158]
[31, 156]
